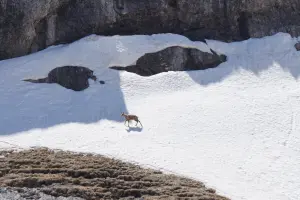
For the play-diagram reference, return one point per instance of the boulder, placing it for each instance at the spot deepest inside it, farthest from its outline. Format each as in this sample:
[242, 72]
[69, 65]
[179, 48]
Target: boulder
[297, 46]
[70, 77]
[28, 26]
[174, 58]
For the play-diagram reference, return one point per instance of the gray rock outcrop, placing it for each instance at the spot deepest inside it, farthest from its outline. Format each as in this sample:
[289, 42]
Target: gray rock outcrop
[27, 26]
[174, 58]
[297, 46]
[70, 77]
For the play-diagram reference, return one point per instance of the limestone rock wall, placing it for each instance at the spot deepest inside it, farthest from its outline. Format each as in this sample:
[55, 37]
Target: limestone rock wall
[28, 26]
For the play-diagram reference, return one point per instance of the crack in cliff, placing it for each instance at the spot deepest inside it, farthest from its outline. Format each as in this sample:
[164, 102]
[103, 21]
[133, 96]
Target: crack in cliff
[226, 19]
[243, 25]
[173, 4]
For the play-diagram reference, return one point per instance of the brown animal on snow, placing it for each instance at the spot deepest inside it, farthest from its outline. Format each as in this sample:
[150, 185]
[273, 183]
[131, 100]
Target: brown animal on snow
[130, 117]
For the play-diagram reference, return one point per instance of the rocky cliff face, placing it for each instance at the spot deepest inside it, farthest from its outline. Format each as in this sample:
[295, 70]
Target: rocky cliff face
[27, 26]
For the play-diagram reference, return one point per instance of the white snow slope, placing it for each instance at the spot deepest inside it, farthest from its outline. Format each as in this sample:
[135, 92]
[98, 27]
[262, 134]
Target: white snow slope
[235, 127]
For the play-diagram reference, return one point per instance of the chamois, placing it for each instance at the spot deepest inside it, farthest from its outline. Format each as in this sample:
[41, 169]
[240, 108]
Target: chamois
[130, 117]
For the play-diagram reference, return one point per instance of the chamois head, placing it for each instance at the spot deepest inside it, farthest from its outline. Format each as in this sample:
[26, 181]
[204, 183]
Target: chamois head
[123, 114]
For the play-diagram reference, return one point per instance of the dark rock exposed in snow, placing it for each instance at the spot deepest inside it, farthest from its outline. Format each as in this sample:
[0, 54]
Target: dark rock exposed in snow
[297, 46]
[29, 25]
[70, 77]
[174, 58]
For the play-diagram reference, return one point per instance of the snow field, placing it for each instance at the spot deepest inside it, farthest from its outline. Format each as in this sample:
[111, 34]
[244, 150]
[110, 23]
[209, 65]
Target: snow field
[235, 128]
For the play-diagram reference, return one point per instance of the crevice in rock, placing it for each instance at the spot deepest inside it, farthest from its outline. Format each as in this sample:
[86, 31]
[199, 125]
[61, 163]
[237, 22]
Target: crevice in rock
[120, 4]
[226, 20]
[39, 41]
[197, 34]
[173, 3]
[243, 25]
[225, 9]
[70, 77]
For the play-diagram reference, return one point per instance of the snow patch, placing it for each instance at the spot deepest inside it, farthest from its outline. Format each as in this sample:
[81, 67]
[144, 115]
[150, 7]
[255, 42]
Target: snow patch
[235, 127]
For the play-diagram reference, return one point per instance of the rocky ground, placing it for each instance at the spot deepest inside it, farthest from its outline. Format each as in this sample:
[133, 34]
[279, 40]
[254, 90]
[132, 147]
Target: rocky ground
[46, 174]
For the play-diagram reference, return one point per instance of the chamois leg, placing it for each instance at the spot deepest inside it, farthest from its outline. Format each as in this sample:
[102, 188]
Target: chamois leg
[125, 122]
[128, 121]
[139, 122]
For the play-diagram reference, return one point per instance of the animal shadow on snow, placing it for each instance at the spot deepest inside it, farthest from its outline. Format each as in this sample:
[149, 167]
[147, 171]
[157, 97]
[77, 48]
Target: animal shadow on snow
[255, 55]
[134, 128]
[28, 106]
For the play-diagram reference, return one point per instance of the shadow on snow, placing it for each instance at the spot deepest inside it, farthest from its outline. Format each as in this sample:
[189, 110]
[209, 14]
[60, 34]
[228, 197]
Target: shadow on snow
[255, 55]
[27, 106]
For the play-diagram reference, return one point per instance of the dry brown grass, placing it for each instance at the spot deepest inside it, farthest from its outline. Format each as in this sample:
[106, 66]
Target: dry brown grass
[60, 173]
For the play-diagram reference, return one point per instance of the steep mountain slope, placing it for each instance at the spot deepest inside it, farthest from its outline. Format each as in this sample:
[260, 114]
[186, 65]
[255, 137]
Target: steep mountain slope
[235, 127]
